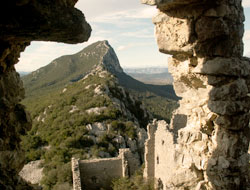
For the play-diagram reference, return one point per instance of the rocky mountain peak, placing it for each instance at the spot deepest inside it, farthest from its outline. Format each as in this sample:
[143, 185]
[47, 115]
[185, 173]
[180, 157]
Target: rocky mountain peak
[108, 57]
[71, 68]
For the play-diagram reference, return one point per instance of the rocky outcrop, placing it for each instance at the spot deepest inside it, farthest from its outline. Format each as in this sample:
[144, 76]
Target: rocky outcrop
[110, 60]
[209, 130]
[27, 20]
[32, 172]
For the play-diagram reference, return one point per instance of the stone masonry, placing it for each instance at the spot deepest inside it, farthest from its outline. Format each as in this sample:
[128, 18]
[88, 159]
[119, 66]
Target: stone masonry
[149, 155]
[98, 173]
[210, 129]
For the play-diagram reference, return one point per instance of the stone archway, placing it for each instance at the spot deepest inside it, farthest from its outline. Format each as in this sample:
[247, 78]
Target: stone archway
[212, 77]
[209, 71]
[26, 21]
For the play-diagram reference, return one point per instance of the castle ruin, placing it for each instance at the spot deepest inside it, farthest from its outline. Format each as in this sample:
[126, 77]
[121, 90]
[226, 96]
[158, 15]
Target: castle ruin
[209, 131]
[99, 173]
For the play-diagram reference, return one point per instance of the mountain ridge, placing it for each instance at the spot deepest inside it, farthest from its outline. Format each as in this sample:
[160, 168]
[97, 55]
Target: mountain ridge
[71, 68]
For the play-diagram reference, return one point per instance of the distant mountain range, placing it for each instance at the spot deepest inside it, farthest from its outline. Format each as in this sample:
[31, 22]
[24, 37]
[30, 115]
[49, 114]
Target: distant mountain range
[146, 70]
[22, 73]
[148, 75]
[153, 78]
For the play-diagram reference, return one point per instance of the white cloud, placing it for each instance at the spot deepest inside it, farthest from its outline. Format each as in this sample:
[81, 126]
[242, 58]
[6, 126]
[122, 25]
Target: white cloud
[246, 40]
[147, 12]
[120, 48]
[129, 16]
[144, 33]
[39, 54]
[246, 3]
[96, 8]
[247, 54]
[246, 35]
[136, 44]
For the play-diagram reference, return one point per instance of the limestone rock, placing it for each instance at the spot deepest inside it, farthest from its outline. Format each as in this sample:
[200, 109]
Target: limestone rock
[207, 140]
[172, 38]
[224, 66]
[28, 20]
[32, 172]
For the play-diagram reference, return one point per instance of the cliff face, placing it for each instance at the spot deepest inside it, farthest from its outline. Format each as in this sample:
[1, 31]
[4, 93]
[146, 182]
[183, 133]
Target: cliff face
[209, 130]
[28, 20]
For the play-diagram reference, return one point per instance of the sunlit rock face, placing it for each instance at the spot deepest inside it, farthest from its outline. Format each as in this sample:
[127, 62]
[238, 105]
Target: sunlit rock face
[27, 20]
[210, 129]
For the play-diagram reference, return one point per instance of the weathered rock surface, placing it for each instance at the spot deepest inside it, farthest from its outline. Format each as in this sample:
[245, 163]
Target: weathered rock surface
[32, 172]
[208, 137]
[27, 20]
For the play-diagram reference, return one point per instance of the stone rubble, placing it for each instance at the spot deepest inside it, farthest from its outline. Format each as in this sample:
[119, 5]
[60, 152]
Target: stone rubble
[32, 172]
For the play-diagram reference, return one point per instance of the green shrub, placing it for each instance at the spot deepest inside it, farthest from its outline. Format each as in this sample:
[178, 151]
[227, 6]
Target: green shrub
[62, 186]
[136, 182]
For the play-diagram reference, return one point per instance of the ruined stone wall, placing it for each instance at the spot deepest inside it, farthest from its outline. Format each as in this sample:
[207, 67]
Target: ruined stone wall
[27, 20]
[164, 151]
[210, 128]
[149, 155]
[76, 176]
[99, 173]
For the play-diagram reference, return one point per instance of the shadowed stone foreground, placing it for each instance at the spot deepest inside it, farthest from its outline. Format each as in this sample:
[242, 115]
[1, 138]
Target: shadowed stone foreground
[27, 20]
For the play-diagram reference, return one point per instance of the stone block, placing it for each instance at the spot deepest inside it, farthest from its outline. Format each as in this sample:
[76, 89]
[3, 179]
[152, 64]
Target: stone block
[173, 34]
[234, 122]
[229, 107]
[239, 67]
[208, 28]
[232, 91]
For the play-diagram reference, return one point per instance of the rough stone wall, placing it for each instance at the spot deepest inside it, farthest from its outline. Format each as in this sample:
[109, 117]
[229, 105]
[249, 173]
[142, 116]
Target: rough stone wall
[27, 20]
[209, 130]
[76, 174]
[164, 151]
[99, 173]
[149, 155]
[131, 162]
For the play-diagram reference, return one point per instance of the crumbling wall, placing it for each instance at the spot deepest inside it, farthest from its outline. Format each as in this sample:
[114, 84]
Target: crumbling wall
[76, 176]
[25, 21]
[98, 173]
[164, 155]
[209, 130]
[149, 155]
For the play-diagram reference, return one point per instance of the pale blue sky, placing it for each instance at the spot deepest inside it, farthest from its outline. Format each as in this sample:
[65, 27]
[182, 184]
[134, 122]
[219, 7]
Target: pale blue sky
[127, 25]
